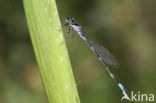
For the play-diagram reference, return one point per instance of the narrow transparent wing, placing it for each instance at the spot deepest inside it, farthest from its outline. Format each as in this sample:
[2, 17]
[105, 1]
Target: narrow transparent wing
[106, 55]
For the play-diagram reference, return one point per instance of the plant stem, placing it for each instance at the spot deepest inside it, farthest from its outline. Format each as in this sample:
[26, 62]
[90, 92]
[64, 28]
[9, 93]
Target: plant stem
[53, 60]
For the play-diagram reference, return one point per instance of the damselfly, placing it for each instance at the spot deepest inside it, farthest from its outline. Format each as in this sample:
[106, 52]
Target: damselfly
[106, 57]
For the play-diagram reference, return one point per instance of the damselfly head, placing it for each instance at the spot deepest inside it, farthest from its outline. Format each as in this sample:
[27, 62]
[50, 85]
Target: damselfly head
[70, 20]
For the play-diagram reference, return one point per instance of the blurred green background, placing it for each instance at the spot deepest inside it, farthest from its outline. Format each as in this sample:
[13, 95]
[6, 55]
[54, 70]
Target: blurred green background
[126, 27]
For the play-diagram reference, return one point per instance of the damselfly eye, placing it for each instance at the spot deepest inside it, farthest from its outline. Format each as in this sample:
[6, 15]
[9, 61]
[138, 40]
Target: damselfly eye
[67, 20]
[72, 19]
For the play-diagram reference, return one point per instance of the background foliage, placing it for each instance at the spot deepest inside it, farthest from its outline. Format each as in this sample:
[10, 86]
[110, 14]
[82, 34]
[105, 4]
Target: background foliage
[125, 27]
